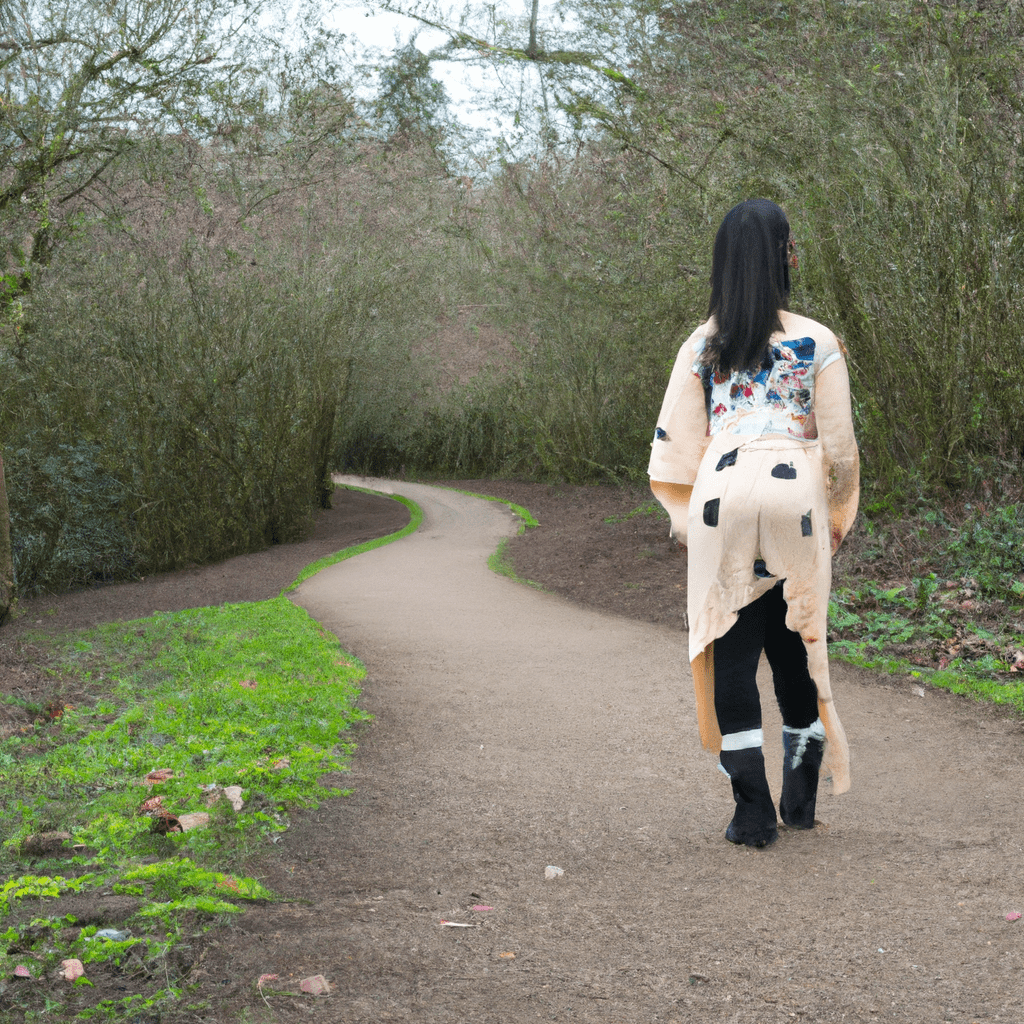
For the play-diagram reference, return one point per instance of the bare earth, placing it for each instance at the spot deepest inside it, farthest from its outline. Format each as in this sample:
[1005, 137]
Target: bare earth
[517, 729]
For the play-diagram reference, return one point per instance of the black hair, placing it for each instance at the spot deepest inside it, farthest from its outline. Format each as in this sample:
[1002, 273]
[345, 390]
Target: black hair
[749, 285]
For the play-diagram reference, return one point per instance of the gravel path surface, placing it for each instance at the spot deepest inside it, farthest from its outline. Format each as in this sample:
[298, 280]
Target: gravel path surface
[515, 730]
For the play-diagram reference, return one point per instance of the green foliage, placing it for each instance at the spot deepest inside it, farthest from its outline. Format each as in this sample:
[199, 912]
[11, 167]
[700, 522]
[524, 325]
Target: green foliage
[652, 508]
[34, 886]
[889, 132]
[67, 519]
[267, 697]
[953, 619]
[587, 308]
[410, 101]
[255, 695]
[989, 548]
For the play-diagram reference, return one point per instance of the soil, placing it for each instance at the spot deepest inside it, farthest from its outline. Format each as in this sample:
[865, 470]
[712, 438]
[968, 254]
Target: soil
[516, 730]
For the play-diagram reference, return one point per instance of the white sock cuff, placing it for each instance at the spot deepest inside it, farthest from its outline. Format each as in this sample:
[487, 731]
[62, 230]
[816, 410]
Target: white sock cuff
[743, 740]
[815, 731]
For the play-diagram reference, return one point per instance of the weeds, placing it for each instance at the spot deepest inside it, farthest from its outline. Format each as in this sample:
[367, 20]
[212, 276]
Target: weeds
[941, 601]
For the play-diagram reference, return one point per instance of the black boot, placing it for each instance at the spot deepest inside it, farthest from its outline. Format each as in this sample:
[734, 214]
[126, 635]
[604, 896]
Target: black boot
[754, 823]
[803, 750]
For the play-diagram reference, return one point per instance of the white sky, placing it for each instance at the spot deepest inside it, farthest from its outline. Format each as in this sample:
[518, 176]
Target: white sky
[386, 31]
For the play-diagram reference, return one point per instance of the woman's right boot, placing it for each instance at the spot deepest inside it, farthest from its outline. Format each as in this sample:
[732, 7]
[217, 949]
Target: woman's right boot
[803, 750]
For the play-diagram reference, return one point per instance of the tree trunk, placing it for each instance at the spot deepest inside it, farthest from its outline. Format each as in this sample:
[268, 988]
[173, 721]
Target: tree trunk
[531, 49]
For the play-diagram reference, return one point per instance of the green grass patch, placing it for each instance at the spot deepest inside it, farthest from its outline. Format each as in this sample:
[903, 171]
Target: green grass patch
[500, 561]
[652, 509]
[251, 695]
[415, 519]
[256, 695]
[524, 515]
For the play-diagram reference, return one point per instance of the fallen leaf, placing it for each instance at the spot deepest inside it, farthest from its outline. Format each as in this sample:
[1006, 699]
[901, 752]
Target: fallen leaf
[151, 805]
[507, 956]
[267, 977]
[158, 775]
[317, 985]
[248, 684]
[164, 822]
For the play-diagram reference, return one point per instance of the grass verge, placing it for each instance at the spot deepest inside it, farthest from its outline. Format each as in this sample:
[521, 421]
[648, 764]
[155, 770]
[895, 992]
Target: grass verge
[415, 518]
[500, 561]
[177, 748]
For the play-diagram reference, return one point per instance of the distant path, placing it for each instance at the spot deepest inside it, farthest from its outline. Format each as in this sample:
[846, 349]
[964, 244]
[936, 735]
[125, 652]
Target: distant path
[515, 730]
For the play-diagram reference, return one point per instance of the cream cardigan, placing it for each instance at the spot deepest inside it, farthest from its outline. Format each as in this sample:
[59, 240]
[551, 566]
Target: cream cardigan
[737, 498]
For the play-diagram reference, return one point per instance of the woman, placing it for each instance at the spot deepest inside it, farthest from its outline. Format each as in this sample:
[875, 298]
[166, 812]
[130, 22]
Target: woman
[755, 460]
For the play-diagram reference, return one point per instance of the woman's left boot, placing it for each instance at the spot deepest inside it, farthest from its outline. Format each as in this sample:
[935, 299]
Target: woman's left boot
[754, 823]
[803, 750]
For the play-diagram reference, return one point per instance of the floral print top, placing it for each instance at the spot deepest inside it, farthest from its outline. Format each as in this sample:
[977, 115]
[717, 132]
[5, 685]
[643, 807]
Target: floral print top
[777, 399]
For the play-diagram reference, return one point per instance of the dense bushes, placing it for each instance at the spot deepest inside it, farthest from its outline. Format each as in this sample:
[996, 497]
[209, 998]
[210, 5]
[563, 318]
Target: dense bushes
[171, 393]
[255, 311]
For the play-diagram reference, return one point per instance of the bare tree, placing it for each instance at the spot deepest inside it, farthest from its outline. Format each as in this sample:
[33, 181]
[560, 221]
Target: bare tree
[81, 81]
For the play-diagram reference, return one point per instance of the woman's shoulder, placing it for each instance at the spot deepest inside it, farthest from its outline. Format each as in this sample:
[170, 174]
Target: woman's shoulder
[826, 345]
[694, 344]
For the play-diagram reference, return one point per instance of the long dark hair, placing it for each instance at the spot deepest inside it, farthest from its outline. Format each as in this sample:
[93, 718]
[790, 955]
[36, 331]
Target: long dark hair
[749, 285]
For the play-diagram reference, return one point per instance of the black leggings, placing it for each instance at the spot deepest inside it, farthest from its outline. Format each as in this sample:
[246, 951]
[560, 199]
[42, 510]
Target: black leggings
[762, 626]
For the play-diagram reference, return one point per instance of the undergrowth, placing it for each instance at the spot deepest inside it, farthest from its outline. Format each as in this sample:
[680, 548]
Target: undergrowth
[938, 595]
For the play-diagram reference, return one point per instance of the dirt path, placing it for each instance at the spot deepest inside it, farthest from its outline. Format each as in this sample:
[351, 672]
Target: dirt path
[515, 730]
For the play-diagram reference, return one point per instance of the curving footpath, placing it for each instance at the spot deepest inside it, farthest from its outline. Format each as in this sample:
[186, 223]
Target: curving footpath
[514, 731]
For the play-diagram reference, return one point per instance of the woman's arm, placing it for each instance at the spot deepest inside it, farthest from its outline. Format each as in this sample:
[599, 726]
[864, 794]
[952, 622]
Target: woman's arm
[680, 438]
[834, 417]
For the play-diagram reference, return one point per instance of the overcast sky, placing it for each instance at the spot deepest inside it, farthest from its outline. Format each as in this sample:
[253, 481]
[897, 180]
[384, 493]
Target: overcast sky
[386, 31]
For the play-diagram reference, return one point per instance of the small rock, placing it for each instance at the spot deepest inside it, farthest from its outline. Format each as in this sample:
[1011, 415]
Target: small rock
[71, 969]
[234, 795]
[551, 872]
[112, 935]
[317, 985]
[197, 819]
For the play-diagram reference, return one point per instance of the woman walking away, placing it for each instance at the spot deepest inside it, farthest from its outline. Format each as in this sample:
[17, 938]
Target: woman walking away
[755, 460]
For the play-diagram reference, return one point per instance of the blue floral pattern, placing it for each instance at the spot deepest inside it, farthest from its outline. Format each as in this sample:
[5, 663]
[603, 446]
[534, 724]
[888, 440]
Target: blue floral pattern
[777, 399]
